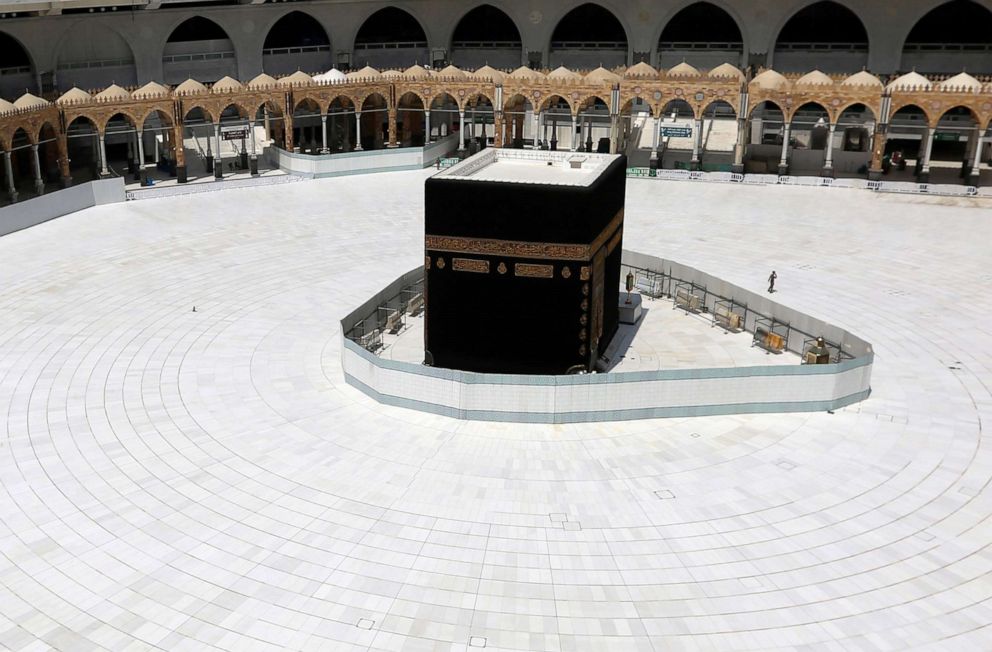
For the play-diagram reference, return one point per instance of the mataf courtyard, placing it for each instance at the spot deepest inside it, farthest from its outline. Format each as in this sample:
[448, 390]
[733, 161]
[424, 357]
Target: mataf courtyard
[184, 479]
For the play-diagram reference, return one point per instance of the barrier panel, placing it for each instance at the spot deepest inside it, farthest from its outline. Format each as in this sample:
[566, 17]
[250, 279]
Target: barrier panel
[905, 187]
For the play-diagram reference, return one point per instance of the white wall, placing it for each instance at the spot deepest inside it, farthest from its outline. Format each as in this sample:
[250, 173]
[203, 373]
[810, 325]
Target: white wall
[63, 202]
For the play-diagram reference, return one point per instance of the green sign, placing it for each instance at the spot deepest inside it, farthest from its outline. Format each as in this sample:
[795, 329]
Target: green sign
[946, 135]
[676, 132]
[639, 172]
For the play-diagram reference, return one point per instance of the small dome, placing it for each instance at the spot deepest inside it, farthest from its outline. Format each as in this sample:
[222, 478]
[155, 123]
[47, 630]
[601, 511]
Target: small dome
[815, 78]
[74, 95]
[5, 106]
[29, 101]
[190, 87]
[601, 74]
[151, 89]
[226, 85]
[485, 72]
[262, 81]
[523, 72]
[770, 80]
[683, 70]
[727, 70]
[453, 71]
[391, 74]
[298, 78]
[364, 73]
[332, 75]
[911, 80]
[113, 93]
[561, 72]
[641, 69]
[416, 71]
[961, 81]
[863, 78]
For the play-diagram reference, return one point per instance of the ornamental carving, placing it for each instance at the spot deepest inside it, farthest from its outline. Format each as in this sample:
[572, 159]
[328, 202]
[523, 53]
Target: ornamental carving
[510, 248]
[584, 273]
[470, 265]
[440, 263]
[566, 272]
[529, 270]
[501, 268]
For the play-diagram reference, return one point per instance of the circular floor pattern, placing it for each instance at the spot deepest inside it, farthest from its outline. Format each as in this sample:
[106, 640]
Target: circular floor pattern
[172, 479]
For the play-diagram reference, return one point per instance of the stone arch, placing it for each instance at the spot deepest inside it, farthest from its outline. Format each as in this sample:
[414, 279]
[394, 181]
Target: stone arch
[439, 95]
[165, 112]
[296, 40]
[375, 120]
[207, 112]
[545, 104]
[825, 22]
[71, 117]
[844, 107]
[791, 115]
[753, 106]
[197, 35]
[583, 101]
[397, 27]
[83, 137]
[410, 120]
[718, 102]
[683, 107]
[300, 99]
[18, 67]
[950, 37]
[485, 35]
[697, 22]
[94, 55]
[588, 35]
[127, 113]
[909, 104]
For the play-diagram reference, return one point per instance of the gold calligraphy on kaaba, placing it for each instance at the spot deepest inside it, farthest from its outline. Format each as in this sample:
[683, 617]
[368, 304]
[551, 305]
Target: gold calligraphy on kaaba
[522, 249]
[470, 265]
[533, 271]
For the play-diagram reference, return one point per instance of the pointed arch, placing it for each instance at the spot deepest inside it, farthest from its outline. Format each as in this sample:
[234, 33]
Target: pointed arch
[198, 48]
[390, 38]
[16, 67]
[486, 35]
[296, 41]
[824, 35]
[587, 36]
[702, 33]
[951, 37]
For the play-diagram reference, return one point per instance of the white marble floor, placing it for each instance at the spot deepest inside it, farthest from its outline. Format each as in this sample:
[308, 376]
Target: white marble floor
[664, 338]
[188, 480]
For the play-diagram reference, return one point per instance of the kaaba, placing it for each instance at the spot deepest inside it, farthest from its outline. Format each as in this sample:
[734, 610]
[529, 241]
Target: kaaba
[522, 264]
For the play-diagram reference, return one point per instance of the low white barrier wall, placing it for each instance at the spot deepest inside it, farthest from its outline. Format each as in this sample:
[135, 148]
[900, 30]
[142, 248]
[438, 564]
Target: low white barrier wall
[365, 162]
[944, 189]
[61, 202]
[615, 396]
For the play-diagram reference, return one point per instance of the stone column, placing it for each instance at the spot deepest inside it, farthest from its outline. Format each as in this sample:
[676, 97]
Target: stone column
[358, 131]
[104, 172]
[427, 127]
[697, 144]
[253, 159]
[39, 183]
[10, 177]
[783, 164]
[738, 166]
[879, 139]
[141, 150]
[976, 167]
[544, 126]
[391, 116]
[180, 153]
[498, 129]
[219, 160]
[571, 139]
[323, 134]
[537, 129]
[461, 130]
[62, 143]
[924, 176]
[828, 161]
[265, 113]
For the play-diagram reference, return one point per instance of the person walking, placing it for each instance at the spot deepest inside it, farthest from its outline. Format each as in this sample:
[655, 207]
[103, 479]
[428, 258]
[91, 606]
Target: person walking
[771, 281]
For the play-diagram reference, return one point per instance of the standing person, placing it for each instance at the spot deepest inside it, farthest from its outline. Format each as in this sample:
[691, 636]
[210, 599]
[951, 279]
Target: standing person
[771, 281]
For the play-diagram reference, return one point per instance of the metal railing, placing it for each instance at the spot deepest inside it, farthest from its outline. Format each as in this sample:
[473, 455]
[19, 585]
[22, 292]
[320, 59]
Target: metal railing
[299, 49]
[197, 56]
